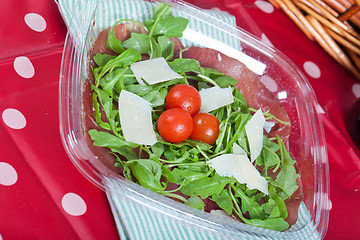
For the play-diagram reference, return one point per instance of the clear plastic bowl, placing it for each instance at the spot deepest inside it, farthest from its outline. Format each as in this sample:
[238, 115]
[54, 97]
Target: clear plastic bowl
[306, 143]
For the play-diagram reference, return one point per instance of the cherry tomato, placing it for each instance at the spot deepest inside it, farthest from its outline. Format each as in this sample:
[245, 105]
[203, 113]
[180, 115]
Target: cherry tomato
[206, 128]
[184, 96]
[175, 125]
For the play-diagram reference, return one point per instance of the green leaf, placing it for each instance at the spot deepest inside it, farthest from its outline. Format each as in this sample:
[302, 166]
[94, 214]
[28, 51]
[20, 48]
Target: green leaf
[195, 202]
[114, 143]
[166, 47]
[124, 59]
[148, 173]
[171, 26]
[160, 11]
[139, 42]
[208, 71]
[187, 174]
[168, 175]
[102, 59]
[277, 224]
[183, 65]
[269, 208]
[156, 98]
[279, 202]
[205, 187]
[158, 149]
[109, 81]
[105, 139]
[111, 112]
[224, 81]
[97, 114]
[249, 204]
[268, 157]
[139, 89]
[223, 200]
[112, 42]
[287, 175]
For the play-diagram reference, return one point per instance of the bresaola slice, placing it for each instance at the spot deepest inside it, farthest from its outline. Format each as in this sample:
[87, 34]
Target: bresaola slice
[255, 93]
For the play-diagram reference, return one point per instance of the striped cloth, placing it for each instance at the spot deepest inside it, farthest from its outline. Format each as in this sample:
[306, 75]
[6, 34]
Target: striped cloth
[144, 216]
[79, 14]
[141, 214]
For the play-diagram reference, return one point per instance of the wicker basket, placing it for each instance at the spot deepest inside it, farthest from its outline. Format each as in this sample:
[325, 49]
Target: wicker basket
[334, 24]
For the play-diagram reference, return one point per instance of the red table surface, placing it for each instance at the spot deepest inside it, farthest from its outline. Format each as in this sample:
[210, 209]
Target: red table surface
[43, 196]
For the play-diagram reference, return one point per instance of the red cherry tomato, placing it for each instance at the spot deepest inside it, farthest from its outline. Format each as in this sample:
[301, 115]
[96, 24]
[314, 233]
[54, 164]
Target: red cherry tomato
[175, 125]
[184, 96]
[206, 128]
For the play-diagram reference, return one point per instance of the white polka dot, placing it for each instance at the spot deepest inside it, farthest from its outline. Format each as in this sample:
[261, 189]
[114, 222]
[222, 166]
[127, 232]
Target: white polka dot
[73, 204]
[269, 83]
[8, 175]
[35, 21]
[356, 90]
[24, 67]
[14, 118]
[1, 237]
[312, 69]
[265, 40]
[264, 6]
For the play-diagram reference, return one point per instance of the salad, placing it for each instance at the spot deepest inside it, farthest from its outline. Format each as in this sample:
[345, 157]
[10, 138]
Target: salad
[186, 124]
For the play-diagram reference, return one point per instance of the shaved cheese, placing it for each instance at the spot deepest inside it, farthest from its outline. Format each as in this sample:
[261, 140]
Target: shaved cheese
[240, 168]
[268, 126]
[254, 132]
[135, 119]
[214, 98]
[153, 71]
[238, 150]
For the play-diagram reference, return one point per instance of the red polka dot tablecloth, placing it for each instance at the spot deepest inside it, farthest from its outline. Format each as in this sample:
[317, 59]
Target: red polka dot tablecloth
[43, 196]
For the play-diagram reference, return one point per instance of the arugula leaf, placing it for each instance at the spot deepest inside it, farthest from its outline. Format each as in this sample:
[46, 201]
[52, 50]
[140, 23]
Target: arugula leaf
[139, 42]
[124, 59]
[268, 157]
[114, 143]
[112, 42]
[277, 224]
[102, 59]
[167, 174]
[183, 65]
[109, 81]
[139, 89]
[187, 174]
[287, 175]
[166, 47]
[148, 173]
[224, 81]
[160, 11]
[110, 111]
[249, 204]
[223, 200]
[279, 202]
[105, 139]
[205, 187]
[171, 26]
[97, 114]
[195, 202]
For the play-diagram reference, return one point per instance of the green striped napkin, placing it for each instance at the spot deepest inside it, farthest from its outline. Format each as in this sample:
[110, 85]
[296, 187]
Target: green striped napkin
[139, 213]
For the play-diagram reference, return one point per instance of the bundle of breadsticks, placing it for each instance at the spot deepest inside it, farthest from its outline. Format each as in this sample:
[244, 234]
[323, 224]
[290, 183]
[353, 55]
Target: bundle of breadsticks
[333, 24]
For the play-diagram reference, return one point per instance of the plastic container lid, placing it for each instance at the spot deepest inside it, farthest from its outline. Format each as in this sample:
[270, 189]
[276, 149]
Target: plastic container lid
[306, 142]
